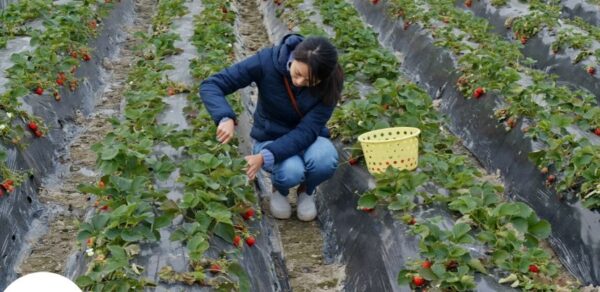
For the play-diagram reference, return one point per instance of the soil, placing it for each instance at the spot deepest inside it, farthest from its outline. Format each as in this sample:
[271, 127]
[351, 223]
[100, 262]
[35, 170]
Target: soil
[65, 206]
[302, 242]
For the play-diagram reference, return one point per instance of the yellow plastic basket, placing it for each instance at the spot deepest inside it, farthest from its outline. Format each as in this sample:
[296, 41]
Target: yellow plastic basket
[398, 147]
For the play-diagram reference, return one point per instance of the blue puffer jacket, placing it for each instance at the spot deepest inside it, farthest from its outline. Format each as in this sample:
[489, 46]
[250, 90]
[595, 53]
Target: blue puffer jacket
[275, 118]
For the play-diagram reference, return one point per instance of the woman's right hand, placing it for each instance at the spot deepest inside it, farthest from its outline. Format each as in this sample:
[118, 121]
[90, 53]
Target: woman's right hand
[225, 131]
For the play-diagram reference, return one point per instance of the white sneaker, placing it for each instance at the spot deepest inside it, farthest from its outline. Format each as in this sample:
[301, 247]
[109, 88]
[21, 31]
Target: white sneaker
[280, 206]
[307, 210]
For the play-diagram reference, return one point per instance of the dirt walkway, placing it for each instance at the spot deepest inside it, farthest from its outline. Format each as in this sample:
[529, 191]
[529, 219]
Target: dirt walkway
[302, 242]
[65, 206]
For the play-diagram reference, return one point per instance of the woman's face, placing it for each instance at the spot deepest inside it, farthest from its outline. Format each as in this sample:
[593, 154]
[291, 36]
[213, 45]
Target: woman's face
[299, 72]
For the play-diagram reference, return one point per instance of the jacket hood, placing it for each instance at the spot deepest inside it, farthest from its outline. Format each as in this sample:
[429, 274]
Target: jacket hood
[281, 53]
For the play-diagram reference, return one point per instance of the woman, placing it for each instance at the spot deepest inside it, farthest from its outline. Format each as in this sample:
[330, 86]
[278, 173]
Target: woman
[299, 83]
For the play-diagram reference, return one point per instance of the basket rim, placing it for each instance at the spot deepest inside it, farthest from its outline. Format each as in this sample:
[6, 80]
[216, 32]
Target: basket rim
[362, 139]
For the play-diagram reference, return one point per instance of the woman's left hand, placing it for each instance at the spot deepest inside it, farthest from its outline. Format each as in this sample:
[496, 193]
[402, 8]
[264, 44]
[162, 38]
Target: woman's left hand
[255, 162]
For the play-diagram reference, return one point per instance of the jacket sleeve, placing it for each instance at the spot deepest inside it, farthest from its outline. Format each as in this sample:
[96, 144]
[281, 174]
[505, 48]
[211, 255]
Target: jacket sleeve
[214, 89]
[298, 139]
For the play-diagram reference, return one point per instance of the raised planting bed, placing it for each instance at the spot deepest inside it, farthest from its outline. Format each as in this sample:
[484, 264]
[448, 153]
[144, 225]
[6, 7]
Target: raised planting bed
[40, 156]
[474, 122]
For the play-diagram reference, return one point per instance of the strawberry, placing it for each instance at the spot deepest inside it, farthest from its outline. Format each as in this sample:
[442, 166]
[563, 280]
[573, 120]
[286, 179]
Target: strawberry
[215, 268]
[60, 82]
[250, 240]
[353, 160]
[90, 242]
[452, 265]
[1, 192]
[386, 106]
[171, 91]
[237, 241]
[479, 91]
[61, 75]
[9, 182]
[101, 184]
[468, 3]
[32, 125]
[38, 133]
[248, 214]
[511, 122]
[104, 208]
[551, 178]
[406, 25]
[591, 70]
[374, 2]
[597, 131]
[418, 281]
[523, 40]
[367, 210]
[224, 10]
[57, 96]
[73, 54]
[92, 24]
[39, 90]
[534, 269]
[426, 265]
[412, 221]
[87, 57]
[544, 170]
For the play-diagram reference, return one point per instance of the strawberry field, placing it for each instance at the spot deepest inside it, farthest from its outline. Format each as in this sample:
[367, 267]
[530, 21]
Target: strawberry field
[110, 172]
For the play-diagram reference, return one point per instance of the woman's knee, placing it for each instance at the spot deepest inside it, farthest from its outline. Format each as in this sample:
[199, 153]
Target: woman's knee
[289, 173]
[321, 157]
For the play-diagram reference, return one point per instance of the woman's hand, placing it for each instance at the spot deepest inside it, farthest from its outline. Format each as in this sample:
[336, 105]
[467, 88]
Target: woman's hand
[255, 162]
[225, 131]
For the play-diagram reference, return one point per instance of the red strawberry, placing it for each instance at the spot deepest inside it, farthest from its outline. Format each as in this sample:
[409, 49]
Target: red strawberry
[353, 160]
[171, 91]
[38, 133]
[60, 82]
[73, 54]
[412, 221]
[9, 182]
[511, 122]
[101, 184]
[39, 90]
[551, 178]
[87, 57]
[93, 24]
[374, 2]
[237, 241]
[224, 9]
[426, 265]
[90, 242]
[523, 40]
[468, 3]
[250, 240]
[591, 70]
[479, 91]
[418, 281]
[248, 214]
[534, 269]
[215, 268]
[32, 125]
[367, 210]
[406, 25]
[597, 131]
[104, 208]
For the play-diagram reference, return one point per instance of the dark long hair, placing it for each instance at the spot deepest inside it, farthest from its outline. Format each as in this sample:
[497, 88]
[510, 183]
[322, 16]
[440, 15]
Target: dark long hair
[322, 60]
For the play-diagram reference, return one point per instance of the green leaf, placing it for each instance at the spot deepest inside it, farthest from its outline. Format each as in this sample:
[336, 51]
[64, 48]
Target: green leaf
[225, 231]
[219, 212]
[162, 221]
[243, 279]
[541, 229]
[99, 221]
[109, 153]
[460, 229]
[404, 277]
[367, 201]
[123, 185]
[84, 281]
[477, 265]
[520, 224]
[131, 235]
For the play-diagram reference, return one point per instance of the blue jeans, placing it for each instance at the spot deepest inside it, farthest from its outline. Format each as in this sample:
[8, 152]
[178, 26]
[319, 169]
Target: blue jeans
[311, 167]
